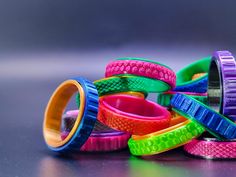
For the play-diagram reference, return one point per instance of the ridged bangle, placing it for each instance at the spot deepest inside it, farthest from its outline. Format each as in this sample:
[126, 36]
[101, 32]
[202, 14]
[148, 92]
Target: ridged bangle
[164, 98]
[180, 133]
[217, 124]
[132, 114]
[185, 83]
[211, 148]
[141, 67]
[85, 121]
[222, 84]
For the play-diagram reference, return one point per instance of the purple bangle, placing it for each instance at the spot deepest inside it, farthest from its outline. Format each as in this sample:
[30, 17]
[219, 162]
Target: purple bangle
[222, 84]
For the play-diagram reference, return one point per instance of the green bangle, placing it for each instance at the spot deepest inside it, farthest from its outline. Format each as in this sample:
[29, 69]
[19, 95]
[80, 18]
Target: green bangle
[175, 137]
[165, 98]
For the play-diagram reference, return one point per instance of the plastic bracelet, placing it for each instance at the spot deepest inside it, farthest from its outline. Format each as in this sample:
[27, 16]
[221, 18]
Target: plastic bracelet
[198, 75]
[222, 84]
[211, 148]
[141, 67]
[132, 114]
[217, 124]
[184, 77]
[104, 141]
[164, 98]
[180, 133]
[70, 117]
[84, 122]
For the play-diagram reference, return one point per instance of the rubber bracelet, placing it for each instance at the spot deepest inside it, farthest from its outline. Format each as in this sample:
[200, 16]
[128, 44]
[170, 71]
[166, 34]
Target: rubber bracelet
[85, 121]
[184, 77]
[141, 67]
[198, 75]
[215, 123]
[164, 98]
[211, 148]
[222, 84]
[175, 136]
[132, 114]
[70, 117]
[104, 141]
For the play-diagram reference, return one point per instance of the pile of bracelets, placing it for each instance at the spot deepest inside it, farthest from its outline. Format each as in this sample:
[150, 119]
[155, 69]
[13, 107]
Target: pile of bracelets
[195, 109]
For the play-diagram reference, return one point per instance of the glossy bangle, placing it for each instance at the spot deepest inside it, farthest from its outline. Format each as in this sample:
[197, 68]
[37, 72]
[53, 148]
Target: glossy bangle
[141, 67]
[222, 84]
[104, 141]
[181, 132]
[215, 123]
[85, 121]
[211, 148]
[185, 83]
[164, 98]
[132, 114]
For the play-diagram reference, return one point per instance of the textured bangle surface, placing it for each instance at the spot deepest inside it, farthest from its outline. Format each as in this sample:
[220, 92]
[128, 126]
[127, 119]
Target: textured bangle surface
[222, 84]
[85, 120]
[217, 124]
[132, 114]
[211, 148]
[164, 98]
[185, 83]
[141, 67]
[175, 136]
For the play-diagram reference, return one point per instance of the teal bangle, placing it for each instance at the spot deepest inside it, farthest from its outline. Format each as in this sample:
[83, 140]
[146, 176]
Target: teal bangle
[165, 98]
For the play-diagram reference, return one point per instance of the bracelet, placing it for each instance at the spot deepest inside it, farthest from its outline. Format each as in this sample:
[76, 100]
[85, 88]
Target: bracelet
[164, 98]
[185, 82]
[215, 123]
[141, 67]
[181, 132]
[132, 114]
[85, 121]
[211, 148]
[222, 84]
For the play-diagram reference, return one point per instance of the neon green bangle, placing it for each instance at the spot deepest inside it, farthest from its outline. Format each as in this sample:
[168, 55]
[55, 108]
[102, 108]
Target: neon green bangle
[164, 98]
[176, 137]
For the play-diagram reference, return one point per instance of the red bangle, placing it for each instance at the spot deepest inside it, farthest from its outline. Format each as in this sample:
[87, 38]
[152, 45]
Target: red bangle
[211, 148]
[141, 67]
[132, 114]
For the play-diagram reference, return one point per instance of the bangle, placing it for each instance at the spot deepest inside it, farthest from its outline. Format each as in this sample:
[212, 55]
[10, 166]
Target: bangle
[141, 67]
[70, 117]
[222, 84]
[217, 124]
[85, 121]
[103, 141]
[180, 133]
[211, 148]
[132, 114]
[164, 98]
[185, 82]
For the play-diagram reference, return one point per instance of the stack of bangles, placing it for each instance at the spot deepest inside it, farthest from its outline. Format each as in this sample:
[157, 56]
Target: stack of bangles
[113, 112]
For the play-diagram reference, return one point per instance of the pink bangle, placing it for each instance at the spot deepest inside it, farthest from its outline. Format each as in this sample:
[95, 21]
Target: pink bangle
[104, 141]
[132, 114]
[211, 148]
[142, 67]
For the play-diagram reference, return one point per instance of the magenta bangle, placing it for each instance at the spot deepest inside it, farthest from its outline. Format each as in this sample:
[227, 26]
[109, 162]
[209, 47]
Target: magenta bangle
[141, 67]
[211, 148]
[104, 141]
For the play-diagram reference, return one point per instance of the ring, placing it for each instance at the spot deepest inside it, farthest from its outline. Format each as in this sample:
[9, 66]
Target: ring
[185, 82]
[211, 148]
[164, 98]
[222, 84]
[215, 123]
[142, 67]
[85, 121]
[132, 114]
[179, 133]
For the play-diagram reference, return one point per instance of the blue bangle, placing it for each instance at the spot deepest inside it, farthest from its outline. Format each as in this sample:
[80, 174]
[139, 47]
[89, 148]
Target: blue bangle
[85, 120]
[217, 124]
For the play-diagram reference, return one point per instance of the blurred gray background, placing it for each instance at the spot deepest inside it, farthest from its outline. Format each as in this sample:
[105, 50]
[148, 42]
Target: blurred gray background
[43, 42]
